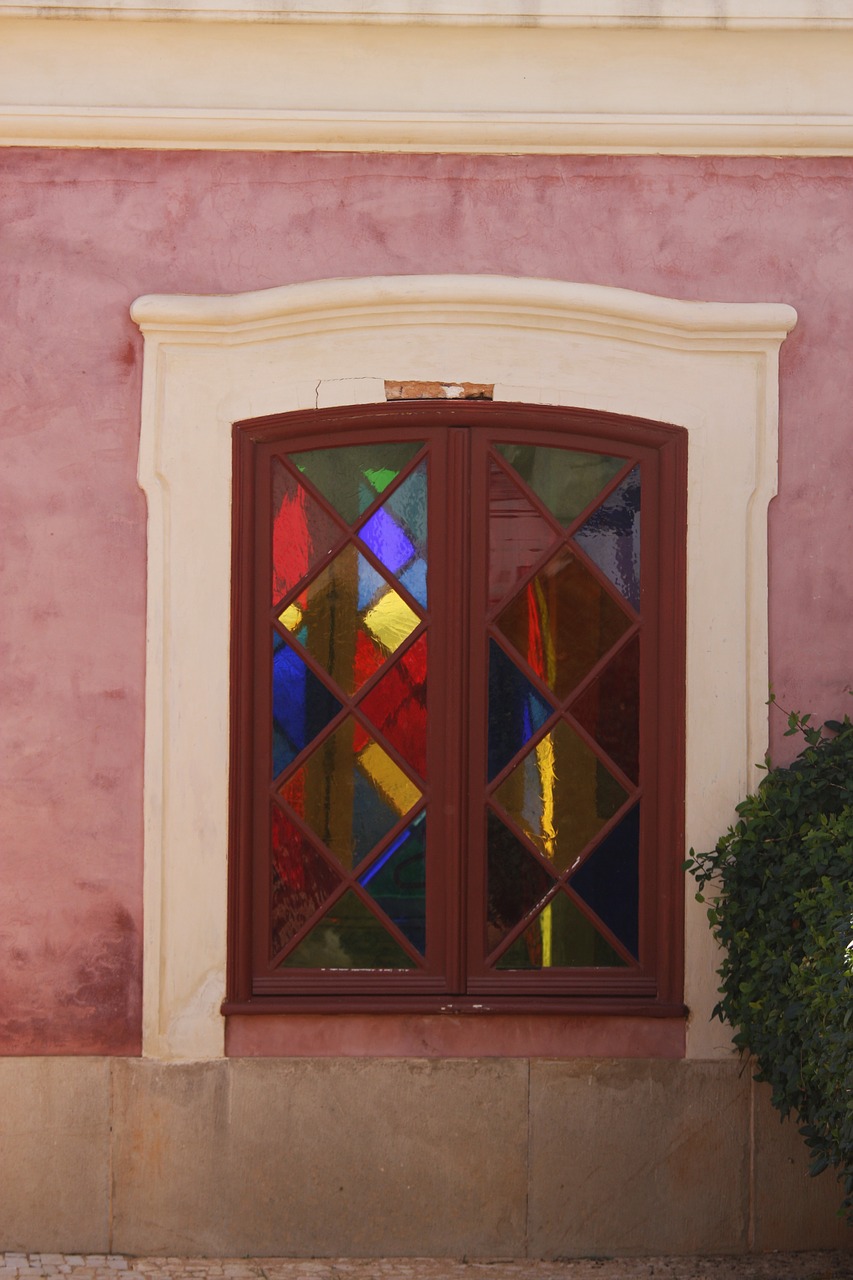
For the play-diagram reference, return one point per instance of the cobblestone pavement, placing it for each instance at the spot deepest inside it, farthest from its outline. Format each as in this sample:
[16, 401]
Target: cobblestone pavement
[771, 1266]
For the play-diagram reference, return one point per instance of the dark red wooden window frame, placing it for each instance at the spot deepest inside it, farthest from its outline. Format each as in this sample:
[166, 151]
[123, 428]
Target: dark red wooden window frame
[453, 982]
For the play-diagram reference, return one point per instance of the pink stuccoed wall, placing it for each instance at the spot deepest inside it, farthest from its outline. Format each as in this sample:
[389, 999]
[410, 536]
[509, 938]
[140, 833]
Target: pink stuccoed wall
[82, 233]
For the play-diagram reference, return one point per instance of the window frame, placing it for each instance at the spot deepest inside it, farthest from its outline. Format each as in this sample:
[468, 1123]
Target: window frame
[658, 992]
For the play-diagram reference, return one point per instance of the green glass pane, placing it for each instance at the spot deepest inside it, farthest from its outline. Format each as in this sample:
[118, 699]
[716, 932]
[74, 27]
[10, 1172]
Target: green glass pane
[352, 476]
[396, 879]
[560, 937]
[350, 793]
[350, 619]
[560, 795]
[563, 622]
[565, 480]
[348, 937]
[517, 881]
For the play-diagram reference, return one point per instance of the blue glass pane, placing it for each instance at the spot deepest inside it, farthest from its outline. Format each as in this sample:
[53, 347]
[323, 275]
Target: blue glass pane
[609, 882]
[302, 706]
[387, 540]
[397, 532]
[516, 710]
[611, 537]
[397, 882]
[414, 579]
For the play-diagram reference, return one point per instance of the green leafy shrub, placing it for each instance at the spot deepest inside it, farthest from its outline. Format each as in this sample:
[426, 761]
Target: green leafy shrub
[779, 887]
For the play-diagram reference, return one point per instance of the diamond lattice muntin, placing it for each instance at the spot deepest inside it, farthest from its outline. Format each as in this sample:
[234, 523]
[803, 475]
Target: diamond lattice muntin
[569, 630]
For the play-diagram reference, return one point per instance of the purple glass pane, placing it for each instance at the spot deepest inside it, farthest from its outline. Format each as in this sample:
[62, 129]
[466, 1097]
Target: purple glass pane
[611, 537]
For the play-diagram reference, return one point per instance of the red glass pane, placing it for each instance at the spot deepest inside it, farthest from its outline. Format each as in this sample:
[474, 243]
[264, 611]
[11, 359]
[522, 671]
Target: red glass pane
[397, 705]
[302, 532]
[563, 622]
[518, 534]
[302, 879]
[609, 708]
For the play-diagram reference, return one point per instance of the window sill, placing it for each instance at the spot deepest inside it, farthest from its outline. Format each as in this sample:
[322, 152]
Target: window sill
[456, 1029]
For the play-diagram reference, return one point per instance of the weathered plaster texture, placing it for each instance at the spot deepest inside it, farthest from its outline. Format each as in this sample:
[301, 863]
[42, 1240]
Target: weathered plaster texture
[84, 233]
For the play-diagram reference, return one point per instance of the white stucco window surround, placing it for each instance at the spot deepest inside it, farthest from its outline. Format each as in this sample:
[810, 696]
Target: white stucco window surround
[210, 361]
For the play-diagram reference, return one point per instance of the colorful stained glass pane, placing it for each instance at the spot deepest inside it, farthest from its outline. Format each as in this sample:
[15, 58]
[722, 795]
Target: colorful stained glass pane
[609, 708]
[349, 936]
[349, 619]
[396, 880]
[563, 622]
[565, 480]
[611, 537]
[516, 710]
[302, 531]
[302, 879]
[397, 532]
[397, 704]
[517, 881]
[560, 795]
[561, 937]
[302, 706]
[518, 534]
[351, 477]
[350, 793]
[608, 880]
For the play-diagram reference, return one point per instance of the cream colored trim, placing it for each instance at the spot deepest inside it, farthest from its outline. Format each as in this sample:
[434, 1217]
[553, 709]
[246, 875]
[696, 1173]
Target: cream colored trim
[716, 14]
[244, 86]
[709, 367]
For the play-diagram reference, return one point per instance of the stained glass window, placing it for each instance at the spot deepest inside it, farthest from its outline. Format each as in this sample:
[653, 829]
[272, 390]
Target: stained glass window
[456, 696]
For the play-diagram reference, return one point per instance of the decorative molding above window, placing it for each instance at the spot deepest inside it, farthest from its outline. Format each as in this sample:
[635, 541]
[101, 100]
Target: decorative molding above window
[378, 82]
[710, 368]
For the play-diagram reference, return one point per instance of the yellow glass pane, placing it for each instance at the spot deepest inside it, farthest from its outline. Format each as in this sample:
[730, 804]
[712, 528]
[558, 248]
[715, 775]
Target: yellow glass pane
[390, 620]
[292, 616]
[560, 795]
[389, 780]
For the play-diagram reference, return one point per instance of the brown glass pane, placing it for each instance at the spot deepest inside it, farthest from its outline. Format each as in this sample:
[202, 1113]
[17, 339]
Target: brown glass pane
[609, 708]
[350, 619]
[350, 793]
[302, 879]
[302, 532]
[560, 937]
[517, 881]
[348, 937]
[563, 622]
[560, 795]
[518, 534]
[565, 480]
[397, 704]
[351, 476]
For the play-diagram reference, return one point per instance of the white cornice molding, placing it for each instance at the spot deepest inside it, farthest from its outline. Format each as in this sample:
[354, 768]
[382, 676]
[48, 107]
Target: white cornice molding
[424, 88]
[718, 14]
[344, 304]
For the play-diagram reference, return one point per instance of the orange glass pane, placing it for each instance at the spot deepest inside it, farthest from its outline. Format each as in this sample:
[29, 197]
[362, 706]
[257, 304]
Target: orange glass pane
[560, 795]
[563, 622]
[350, 619]
[560, 937]
[350, 793]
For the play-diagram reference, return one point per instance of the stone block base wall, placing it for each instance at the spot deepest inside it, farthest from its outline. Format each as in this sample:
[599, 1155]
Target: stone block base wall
[361, 1157]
